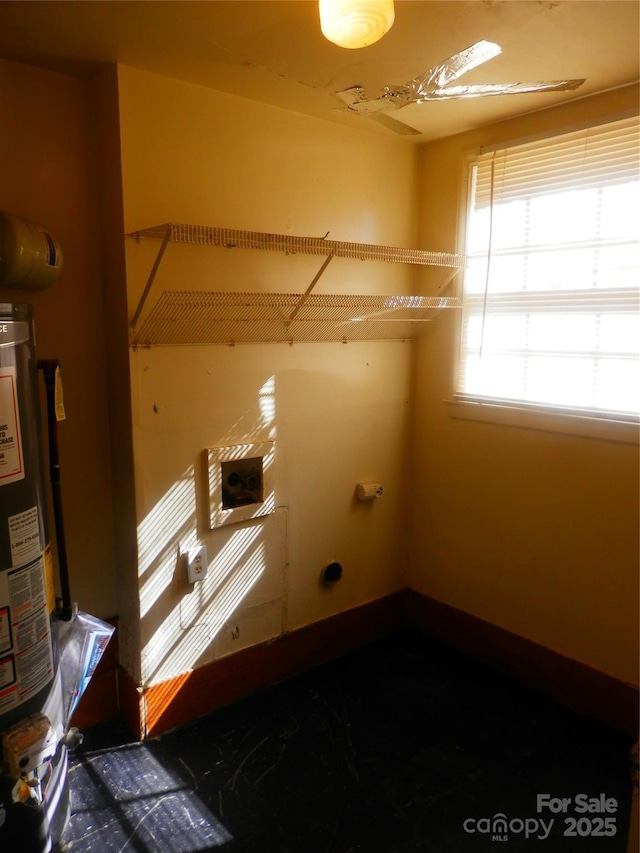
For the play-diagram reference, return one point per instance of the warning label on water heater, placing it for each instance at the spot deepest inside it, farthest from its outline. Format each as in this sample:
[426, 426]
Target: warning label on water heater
[11, 459]
[26, 655]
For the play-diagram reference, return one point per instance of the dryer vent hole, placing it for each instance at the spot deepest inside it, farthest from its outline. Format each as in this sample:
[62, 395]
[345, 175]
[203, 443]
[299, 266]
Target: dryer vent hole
[331, 574]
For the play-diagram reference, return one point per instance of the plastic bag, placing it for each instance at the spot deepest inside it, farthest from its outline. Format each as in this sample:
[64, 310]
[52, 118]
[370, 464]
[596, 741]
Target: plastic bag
[81, 644]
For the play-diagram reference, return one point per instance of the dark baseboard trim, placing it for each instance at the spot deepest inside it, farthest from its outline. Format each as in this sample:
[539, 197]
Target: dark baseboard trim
[569, 682]
[228, 679]
[156, 709]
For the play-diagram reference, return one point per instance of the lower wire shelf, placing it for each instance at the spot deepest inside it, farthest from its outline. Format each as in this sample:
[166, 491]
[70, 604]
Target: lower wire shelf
[208, 317]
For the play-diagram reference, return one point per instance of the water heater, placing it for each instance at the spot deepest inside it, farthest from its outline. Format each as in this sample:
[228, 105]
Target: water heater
[34, 800]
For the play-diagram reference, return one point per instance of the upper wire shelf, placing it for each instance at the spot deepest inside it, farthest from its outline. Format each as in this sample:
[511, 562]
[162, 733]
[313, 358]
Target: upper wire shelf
[205, 235]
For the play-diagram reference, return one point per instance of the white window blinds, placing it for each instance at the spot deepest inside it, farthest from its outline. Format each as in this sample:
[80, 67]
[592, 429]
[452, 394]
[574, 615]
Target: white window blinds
[550, 313]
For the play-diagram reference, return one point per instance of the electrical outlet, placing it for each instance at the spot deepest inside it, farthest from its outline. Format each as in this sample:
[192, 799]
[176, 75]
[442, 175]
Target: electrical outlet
[197, 565]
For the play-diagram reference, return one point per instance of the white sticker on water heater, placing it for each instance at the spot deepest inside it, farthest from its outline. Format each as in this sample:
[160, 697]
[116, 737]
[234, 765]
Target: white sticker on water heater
[24, 536]
[11, 459]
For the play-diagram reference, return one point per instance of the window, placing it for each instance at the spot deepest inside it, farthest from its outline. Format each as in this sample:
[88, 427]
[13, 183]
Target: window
[550, 316]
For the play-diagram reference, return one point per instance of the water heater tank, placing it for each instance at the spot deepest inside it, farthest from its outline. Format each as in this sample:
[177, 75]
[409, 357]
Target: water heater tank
[30, 256]
[34, 798]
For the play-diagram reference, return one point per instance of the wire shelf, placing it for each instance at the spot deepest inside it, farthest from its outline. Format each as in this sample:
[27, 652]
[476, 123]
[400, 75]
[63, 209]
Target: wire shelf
[197, 317]
[205, 235]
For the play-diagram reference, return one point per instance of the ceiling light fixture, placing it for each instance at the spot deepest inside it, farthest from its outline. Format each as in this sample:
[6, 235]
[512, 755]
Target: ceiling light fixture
[355, 23]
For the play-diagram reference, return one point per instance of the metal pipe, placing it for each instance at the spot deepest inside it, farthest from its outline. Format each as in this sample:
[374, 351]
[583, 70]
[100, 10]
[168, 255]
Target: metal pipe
[49, 368]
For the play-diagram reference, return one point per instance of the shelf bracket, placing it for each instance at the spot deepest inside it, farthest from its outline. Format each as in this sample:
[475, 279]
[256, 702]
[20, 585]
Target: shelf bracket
[154, 269]
[303, 298]
[445, 284]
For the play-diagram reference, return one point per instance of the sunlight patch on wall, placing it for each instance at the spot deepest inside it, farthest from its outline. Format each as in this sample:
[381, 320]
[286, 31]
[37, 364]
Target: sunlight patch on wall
[185, 633]
[237, 587]
[180, 620]
[257, 423]
[173, 512]
[267, 403]
[228, 560]
[169, 528]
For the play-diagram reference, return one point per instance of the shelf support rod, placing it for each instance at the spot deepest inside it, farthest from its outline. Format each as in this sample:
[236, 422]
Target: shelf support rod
[445, 284]
[315, 280]
[152, 275]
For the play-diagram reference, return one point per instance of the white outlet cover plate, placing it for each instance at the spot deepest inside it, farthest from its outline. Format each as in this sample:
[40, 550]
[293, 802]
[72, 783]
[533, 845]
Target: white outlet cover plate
[197, 565]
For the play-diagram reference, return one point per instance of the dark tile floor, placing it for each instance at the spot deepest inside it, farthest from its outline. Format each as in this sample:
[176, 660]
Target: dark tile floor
[400, 746]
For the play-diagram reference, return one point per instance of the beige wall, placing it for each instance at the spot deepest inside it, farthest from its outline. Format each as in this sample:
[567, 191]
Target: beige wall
[48, 175]
[338, 413]
[534, 531]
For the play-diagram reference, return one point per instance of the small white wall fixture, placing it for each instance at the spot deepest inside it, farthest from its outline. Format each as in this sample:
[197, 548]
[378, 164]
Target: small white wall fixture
[240, 478]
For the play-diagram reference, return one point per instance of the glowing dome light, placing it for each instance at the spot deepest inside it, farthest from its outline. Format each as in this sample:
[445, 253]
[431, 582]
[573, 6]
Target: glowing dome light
[355, 23]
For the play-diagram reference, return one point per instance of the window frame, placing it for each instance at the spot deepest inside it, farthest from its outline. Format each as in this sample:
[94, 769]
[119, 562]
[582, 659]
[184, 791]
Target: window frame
[536, 416]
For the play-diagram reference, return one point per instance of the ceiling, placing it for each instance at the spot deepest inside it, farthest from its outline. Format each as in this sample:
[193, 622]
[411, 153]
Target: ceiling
[273, 51]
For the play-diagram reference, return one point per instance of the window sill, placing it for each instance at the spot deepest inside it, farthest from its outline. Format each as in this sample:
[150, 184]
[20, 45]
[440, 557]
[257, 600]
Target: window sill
[542, 419]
